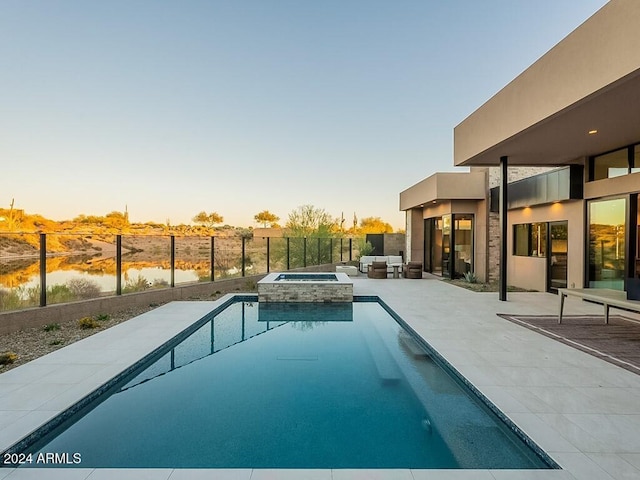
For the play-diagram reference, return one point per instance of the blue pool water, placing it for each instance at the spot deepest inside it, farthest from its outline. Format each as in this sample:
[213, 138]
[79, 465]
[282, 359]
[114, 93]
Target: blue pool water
[271, 386]
[307, 277]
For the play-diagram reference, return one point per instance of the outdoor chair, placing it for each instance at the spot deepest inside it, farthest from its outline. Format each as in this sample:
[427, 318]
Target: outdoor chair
[377, 270]
[413, 270]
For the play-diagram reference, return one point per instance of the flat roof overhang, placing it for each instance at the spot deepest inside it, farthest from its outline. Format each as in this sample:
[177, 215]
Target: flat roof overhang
[444, 186]
[589, 81]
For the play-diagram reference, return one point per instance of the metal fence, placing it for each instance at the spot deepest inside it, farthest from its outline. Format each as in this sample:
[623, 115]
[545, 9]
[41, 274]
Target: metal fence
[37, 269]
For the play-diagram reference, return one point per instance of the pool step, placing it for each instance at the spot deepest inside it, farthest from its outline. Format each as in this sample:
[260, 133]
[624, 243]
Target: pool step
[386, 365]
[409, 343]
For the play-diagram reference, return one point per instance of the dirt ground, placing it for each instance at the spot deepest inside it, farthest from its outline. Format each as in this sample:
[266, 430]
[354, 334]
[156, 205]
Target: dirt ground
[32, 343]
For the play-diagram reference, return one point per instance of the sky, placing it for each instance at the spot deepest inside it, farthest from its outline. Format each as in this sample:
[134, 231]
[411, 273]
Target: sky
[168, 108]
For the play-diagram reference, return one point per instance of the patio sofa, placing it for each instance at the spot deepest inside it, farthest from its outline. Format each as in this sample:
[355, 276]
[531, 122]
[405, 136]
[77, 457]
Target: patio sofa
[390, 260]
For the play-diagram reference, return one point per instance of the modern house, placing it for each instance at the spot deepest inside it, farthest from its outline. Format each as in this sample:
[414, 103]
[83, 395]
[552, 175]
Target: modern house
[557, 150]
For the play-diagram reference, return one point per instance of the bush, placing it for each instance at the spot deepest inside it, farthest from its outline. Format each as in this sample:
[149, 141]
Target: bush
[51, 327]
[138, 284]
[102, 317]
[59, 294]
[87, 323]
[9, 299]
[364, 248]
[8, 357]
[470, 277]
[83, 288]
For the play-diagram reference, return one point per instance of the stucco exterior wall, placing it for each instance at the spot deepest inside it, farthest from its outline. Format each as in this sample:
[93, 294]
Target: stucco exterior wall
[612, 186]
[415, 236]
[583, 63]
[530, 272]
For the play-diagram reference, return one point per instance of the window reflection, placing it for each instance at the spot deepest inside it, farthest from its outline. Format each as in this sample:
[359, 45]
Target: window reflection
[530, 239]
[610, 165]
[463, 244]
[607, 243]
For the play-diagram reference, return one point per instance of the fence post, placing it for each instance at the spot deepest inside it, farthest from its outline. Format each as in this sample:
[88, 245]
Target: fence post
[268, 254]
[304, 253]
[341, 249]
[243, 239]
[173, 260]
[213, 263]
[288, 254]
[330, 249]
[350, 249]
[43, 269]
[118, 264]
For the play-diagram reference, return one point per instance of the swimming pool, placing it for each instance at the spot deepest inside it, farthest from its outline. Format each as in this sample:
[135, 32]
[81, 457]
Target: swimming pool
[265, 387]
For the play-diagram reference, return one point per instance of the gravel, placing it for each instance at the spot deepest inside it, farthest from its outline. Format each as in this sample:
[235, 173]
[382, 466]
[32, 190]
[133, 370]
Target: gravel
[35, 342]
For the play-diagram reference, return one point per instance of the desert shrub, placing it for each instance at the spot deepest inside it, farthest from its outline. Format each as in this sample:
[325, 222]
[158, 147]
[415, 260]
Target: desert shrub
[470, 277]
[87, 323]
[83, 288]
[56, 342]
[364, 248]
[51, 327]
[138, 284]
[159, 282]
[9, 299]
[102, 317]
[8, 357]
[30, 296]
[59, 294]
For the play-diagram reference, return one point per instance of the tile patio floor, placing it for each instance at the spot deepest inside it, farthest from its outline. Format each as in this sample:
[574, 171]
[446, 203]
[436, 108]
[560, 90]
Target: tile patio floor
[584, 412]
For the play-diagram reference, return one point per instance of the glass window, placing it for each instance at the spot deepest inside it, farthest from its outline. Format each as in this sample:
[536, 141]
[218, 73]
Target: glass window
[463, 244]
[521, 239]
[610, 165]
[446, 244]
[530, 240]
[607, 243]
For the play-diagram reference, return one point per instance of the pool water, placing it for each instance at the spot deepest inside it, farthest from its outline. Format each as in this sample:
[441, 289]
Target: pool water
[306, 277]
[248, 391]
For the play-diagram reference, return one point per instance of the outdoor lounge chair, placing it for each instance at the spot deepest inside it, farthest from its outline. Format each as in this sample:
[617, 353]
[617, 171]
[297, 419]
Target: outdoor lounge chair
[377, 270]
[413, 270]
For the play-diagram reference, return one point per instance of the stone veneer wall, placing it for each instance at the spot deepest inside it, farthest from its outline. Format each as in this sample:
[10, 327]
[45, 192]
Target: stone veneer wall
[395, 244]
[513, 174]
[305, 292]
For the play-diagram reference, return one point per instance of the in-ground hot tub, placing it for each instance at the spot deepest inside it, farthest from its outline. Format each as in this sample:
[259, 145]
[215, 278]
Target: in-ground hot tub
[305, 287]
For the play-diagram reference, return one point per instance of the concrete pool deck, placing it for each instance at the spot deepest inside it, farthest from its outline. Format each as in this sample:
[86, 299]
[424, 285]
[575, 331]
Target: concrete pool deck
[584, 412]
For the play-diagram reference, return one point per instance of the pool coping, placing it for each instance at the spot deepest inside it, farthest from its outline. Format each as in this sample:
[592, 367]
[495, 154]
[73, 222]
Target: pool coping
[165, 322]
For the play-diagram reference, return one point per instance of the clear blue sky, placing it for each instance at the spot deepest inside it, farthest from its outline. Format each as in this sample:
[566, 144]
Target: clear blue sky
[173, 107]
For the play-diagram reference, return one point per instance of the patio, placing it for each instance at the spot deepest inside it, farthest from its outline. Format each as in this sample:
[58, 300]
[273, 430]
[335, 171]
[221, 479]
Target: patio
[584, 412]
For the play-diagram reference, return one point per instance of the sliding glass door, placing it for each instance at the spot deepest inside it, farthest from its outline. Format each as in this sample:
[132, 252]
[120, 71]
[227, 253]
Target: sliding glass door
[448, 245]
[557, 257]
[607, 234]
